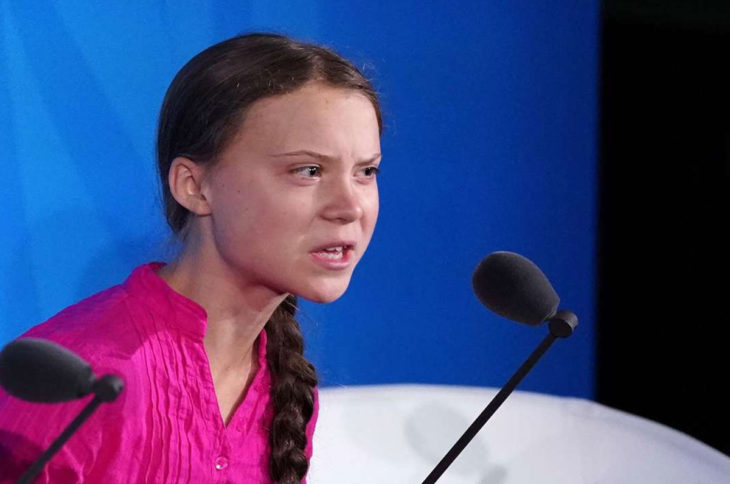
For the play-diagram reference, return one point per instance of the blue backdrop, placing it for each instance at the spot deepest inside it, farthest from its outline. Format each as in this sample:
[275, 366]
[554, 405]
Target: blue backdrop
[489, 144]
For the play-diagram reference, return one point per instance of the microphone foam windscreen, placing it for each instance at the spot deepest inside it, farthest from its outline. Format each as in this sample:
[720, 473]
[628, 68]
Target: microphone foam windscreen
[515, 288]
[38, 370]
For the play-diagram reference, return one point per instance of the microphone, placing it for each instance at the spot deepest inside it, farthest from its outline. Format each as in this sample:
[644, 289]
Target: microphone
[513, 287]
[38, 370]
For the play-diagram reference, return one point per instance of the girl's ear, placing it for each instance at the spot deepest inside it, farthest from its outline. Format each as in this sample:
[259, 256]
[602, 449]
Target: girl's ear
[185, 179]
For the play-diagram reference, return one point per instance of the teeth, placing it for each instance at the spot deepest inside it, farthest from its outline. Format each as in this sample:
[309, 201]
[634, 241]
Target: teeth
[333, 253]
[330, 255]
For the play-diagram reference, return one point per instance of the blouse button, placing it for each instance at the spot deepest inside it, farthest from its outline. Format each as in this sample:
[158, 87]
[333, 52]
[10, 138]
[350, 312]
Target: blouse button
[221, 463]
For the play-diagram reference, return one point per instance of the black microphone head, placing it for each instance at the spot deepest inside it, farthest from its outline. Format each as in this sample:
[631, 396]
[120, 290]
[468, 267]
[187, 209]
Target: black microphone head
[39, 370]
[515, 288]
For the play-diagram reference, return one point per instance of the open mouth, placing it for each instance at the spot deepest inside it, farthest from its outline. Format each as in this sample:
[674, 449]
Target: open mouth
[337, 256]
[334, 253]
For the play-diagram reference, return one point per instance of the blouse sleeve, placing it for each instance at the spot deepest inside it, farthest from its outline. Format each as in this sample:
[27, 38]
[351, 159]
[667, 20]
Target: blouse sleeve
[26, 431]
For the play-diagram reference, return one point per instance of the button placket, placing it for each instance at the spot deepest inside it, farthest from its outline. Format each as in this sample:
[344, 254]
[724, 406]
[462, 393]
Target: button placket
[222, 460]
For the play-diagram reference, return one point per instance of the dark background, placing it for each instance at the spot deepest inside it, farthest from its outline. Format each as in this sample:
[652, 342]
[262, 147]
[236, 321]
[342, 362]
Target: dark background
[665, 145]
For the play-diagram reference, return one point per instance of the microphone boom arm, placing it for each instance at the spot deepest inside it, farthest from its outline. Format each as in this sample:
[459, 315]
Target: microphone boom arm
[106, 389]
[561, 326]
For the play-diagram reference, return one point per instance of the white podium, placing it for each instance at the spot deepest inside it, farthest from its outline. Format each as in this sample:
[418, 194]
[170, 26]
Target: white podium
[398, 433]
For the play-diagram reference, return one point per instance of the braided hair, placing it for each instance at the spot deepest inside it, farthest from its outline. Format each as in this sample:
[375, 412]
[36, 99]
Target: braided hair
[292, 394]
[202, 112]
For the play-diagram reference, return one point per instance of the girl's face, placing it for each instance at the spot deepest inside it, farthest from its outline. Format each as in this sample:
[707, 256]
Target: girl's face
[294, 198]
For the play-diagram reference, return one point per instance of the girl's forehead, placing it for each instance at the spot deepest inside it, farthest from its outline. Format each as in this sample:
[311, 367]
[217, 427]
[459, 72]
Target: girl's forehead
[311, 113]
[311, 100]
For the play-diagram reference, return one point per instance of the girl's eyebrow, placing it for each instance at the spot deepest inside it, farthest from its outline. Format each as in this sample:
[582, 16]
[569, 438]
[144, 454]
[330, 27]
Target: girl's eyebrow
[323, 157]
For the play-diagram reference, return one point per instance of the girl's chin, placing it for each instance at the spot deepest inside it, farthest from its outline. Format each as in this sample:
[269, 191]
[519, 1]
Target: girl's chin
[323, 295]
[322, 298]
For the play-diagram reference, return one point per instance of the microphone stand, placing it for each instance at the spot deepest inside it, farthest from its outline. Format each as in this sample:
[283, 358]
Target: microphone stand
[105, 389]
[561, 326]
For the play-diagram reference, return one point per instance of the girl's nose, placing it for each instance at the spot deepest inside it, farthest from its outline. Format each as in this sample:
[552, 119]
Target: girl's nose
[344, 204]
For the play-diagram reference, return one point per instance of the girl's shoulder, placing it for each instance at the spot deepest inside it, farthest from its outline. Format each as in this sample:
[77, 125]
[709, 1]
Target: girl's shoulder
[95, 324]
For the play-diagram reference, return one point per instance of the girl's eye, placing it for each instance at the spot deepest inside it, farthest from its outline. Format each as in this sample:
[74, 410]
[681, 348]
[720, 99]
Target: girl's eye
[370, 171]
[307, 171]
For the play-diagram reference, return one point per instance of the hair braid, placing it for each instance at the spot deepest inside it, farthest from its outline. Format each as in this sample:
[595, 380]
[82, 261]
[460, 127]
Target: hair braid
[292, 394]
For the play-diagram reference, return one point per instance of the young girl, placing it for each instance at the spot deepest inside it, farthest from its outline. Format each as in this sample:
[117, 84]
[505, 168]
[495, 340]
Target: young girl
[268, 150]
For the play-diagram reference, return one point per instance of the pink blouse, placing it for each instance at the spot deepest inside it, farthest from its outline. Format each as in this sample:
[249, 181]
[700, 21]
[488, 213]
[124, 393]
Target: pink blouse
[166, 426]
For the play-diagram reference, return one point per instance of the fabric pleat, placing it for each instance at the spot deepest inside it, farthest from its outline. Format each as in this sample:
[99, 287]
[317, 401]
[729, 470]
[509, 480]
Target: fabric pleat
[166, 426]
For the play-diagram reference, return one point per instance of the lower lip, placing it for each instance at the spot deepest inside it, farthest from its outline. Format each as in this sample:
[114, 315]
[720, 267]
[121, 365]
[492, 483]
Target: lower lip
[333, 264]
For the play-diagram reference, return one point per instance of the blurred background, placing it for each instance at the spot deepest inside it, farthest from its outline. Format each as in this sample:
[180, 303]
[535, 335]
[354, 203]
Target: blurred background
[591, 138]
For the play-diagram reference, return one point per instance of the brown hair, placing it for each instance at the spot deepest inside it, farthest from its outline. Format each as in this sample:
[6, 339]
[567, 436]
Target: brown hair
[203, 110]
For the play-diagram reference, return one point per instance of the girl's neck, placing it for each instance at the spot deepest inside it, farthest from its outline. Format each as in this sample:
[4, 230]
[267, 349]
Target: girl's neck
[236, 311]
[236, 315]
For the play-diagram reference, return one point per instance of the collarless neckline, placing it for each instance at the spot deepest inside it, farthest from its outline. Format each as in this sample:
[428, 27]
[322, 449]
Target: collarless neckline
[177, 311]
